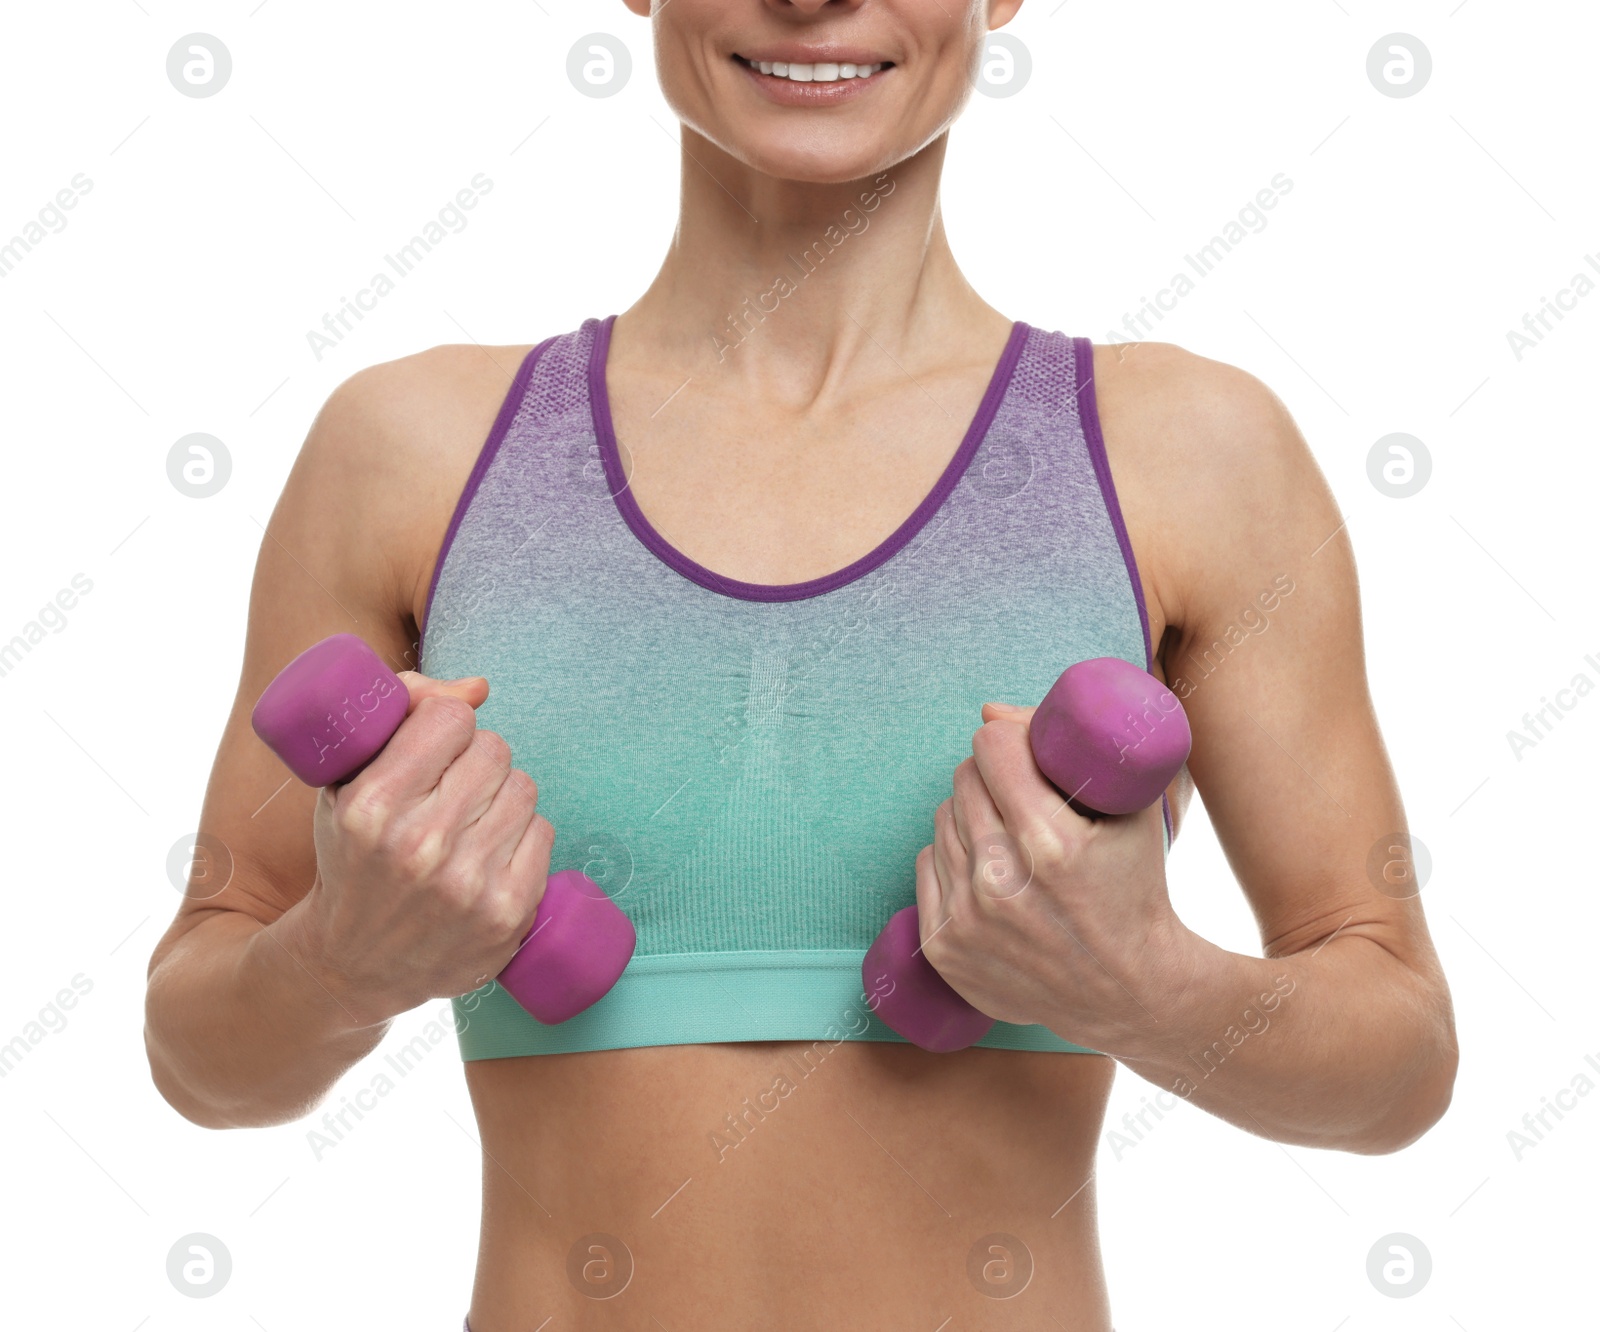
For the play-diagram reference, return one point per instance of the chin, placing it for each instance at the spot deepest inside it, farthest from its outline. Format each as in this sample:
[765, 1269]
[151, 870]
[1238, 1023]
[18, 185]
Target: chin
[817, 169]
[810, 159]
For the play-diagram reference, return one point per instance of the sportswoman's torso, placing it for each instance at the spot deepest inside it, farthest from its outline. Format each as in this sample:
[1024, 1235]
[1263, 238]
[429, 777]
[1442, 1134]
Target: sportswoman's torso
[829, 1210]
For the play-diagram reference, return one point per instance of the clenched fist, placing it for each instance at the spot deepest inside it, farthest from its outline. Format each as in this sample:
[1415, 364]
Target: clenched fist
[431, 861]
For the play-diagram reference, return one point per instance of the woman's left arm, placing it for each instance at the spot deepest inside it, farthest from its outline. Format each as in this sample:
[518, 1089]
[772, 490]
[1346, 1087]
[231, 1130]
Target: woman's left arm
[1341, 1034]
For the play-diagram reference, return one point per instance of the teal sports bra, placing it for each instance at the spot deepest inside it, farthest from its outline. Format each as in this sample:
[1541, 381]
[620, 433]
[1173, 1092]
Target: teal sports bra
[750, 770]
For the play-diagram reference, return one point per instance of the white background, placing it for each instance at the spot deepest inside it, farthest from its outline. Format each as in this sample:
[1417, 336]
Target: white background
[219, 231]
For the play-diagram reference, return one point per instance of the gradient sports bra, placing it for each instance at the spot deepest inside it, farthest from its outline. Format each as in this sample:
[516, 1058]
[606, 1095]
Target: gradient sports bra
[750, 770]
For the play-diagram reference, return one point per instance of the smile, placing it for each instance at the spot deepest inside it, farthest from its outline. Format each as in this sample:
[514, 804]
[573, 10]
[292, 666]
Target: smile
[816, 73]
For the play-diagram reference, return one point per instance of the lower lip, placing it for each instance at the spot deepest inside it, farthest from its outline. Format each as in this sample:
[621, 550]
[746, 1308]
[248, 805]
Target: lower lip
[786, 92]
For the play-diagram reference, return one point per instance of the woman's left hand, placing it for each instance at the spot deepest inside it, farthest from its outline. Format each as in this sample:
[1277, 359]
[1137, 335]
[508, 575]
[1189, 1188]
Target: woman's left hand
[1035, 914]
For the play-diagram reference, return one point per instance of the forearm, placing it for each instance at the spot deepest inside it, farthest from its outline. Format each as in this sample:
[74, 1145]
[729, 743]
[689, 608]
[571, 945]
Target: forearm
[239, 1031]
[1339, 1046]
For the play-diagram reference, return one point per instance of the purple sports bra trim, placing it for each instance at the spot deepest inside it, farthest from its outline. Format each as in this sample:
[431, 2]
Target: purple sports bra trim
[669, 555]
[1089, 414]
[486, 455]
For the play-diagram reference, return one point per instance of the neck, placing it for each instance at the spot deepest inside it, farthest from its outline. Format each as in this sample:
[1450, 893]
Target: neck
[797, 291]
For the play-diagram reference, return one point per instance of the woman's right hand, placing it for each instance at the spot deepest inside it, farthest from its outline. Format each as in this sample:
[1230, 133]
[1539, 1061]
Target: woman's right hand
[431, 862]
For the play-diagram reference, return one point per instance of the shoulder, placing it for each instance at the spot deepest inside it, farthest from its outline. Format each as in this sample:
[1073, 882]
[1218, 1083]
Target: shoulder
[1214, 474]
[398, 414]
[1185, 417]
[391, 450]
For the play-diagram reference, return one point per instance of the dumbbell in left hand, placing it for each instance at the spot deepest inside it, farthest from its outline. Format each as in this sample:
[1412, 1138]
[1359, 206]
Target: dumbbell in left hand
[1111, 738]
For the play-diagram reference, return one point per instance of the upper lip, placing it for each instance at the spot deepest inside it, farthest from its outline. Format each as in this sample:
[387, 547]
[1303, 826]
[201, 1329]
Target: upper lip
[795, 53]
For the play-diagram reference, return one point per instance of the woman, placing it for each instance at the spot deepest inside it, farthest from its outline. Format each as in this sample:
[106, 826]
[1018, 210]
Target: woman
[742, 565]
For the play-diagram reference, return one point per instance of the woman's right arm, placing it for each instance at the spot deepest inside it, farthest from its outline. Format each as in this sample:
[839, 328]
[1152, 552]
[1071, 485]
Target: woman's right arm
[276, 976]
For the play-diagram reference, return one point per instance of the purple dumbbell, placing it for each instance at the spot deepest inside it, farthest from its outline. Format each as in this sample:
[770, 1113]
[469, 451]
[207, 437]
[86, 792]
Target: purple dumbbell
[328, 713]
[1111, 738]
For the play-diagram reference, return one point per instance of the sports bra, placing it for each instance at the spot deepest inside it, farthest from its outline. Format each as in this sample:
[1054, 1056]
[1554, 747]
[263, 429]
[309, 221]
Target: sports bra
[750, 770]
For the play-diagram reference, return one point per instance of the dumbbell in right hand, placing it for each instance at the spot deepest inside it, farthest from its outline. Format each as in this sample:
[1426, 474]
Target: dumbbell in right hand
[330, 712]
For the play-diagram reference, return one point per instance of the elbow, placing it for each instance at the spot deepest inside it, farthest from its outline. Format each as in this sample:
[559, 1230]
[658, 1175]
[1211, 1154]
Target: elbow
[211, 1103]
[176, 1093]
[160, 1051]
[183, 1075]
[161, 1048]
[1420, 1099]
[1413, 1116]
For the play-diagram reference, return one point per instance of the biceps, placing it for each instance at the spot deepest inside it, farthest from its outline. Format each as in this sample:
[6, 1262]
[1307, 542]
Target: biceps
[319, 571]
[1288, 756]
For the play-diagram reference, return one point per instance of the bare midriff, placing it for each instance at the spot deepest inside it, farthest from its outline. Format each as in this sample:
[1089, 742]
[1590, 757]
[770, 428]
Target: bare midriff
[886, 1188]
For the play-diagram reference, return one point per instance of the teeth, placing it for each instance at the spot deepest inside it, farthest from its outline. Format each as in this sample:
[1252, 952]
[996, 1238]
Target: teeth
[817, 73]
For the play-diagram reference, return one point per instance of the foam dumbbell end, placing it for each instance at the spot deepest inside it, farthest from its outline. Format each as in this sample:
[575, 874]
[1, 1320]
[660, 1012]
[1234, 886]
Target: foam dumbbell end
[1110, 737]
[579, 944]
[921, 1006]
[329, 713]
